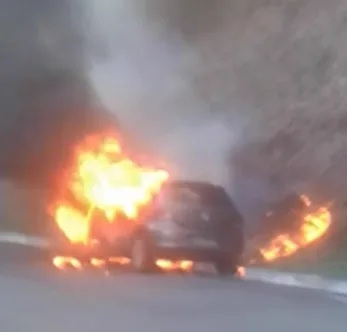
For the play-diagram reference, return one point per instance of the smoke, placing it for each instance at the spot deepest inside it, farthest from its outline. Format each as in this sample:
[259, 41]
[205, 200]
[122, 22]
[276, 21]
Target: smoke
[148, 78]
[59, 58]
[140, 63]
[142, 60]
[53, 54]
[45, 99]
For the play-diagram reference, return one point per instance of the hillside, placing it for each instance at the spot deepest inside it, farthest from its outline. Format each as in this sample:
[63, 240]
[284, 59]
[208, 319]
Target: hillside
[256, 87]
[278, 69]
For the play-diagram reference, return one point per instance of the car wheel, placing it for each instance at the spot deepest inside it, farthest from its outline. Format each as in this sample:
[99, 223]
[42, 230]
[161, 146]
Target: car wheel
[142, 257]
[224, 266]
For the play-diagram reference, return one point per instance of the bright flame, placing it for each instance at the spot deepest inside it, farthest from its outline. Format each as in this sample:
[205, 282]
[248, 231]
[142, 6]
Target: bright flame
[168, 265]
[103, 180]
[241, 272]
[62, 262]
[314, 226]
[97, 262]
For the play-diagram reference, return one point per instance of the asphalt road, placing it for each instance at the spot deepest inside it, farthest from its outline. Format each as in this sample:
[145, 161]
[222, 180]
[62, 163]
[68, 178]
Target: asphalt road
[35, 297]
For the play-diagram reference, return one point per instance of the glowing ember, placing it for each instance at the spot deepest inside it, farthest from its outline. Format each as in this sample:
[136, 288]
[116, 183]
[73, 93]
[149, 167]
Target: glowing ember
[168, 265]
[119, 260]
[241, 272]
[103, 179]
[61, 262]
[97, 262]
[314, 226]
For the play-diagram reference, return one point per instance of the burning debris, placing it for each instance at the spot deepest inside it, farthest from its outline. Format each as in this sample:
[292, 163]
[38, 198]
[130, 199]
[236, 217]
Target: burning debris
[308, 224]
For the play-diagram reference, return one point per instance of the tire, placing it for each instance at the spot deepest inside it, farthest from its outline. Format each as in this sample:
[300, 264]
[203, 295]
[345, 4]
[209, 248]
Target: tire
[142, 255]
[224, 266]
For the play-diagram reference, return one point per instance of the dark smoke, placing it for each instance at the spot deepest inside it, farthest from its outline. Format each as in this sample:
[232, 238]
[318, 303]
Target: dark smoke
[45, 100]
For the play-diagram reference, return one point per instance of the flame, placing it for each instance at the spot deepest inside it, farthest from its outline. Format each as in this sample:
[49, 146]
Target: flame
[241, 272]
[63, 262]
[97, 262]
[314, 226]
[168, 265]
[103, 180]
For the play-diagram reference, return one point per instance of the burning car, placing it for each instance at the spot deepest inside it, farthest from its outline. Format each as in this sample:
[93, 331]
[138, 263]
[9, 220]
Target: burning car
[112, 206]
[186, 221]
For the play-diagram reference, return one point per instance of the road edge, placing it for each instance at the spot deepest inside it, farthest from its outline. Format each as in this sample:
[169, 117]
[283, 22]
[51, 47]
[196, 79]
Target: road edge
[308, 281]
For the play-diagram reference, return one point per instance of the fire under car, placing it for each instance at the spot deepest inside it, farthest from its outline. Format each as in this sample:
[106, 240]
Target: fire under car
[186, 220]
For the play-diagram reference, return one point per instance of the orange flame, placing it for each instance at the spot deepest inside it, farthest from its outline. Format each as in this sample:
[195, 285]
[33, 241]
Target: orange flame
[314, 226]
[62, 262]
[168, 265]
[102, 178]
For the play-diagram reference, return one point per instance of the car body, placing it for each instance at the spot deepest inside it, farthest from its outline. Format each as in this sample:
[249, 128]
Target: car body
[186, 220]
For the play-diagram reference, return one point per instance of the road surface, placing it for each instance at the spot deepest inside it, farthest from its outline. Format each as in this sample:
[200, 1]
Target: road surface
[35, 297]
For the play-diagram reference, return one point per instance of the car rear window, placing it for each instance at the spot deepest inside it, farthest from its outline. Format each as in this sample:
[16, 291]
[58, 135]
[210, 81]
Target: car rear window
[207, 196]
[178, 198]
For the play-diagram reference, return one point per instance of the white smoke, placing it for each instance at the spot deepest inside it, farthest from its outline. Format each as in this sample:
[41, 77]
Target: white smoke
[147, 79]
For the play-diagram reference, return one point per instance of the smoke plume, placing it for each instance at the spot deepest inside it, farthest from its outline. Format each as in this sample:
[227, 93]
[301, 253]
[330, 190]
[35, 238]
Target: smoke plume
[148, 79]
[45, 99]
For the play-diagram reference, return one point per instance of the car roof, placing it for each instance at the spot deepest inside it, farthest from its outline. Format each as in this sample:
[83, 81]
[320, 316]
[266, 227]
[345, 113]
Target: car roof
[212, 192]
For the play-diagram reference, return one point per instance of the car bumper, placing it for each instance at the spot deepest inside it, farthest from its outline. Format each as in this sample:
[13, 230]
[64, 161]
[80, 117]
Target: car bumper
[187, 253]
